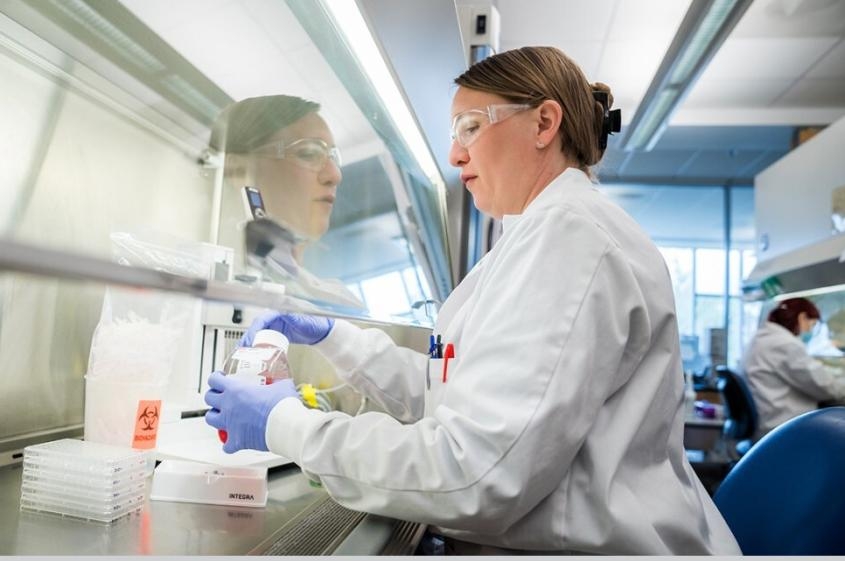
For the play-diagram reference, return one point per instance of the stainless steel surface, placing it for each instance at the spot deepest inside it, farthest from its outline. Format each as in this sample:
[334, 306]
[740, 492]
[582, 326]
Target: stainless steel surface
[399, 536]
[162, 528]
[316, 532]
[11, 449]
[113, 77]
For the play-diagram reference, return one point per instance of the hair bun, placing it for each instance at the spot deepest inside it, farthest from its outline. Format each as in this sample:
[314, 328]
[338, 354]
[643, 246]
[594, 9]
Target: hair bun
[602, 87]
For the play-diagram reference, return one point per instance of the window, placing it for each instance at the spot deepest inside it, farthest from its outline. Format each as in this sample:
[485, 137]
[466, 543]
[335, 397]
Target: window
[392, 294]
[687, 224]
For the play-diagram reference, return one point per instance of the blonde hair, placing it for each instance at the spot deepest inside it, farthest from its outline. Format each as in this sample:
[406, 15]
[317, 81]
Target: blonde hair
[534, 74]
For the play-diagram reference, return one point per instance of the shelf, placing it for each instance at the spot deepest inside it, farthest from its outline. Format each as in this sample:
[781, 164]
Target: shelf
[41, 261]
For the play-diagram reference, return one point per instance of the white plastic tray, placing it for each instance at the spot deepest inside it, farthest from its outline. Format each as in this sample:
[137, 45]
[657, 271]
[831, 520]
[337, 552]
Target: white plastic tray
[192, 482]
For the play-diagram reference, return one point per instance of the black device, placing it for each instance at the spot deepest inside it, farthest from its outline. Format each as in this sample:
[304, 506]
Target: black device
[254, 203]
[611, 118]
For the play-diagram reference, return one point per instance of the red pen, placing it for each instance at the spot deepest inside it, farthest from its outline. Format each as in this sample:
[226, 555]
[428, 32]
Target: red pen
[448, 353]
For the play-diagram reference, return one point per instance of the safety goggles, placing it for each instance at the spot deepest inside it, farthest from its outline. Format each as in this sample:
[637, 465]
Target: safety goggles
[468, 125]
[309, 153]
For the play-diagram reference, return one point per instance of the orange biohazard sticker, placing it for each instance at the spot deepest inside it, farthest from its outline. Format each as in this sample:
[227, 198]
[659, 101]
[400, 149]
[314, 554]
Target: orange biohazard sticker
[146, 424]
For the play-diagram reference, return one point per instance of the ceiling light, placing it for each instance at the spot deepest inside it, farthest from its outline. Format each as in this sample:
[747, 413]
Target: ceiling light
[100, 27]
[348, 19]
[704, 28]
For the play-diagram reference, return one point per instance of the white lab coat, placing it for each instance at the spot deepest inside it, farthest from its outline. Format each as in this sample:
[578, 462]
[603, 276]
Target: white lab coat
[784, 380]
[560, 426]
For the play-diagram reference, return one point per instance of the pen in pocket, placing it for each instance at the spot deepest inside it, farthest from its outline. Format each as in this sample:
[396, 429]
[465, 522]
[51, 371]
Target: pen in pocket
[447, 354]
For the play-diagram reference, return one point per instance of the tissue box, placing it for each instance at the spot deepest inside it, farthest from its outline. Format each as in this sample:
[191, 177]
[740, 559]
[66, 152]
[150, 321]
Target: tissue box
[192, 482]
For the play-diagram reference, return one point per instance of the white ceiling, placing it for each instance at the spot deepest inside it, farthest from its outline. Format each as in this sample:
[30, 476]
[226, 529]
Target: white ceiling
[783, 64]
[620, 43]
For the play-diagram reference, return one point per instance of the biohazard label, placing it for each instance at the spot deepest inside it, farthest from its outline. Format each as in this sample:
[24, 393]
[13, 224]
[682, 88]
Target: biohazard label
[146, 424]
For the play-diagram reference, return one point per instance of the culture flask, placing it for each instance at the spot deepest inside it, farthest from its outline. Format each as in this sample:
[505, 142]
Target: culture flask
[265, 362]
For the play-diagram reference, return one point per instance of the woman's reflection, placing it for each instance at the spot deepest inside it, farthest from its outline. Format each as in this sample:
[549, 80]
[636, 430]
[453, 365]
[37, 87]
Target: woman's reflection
[281, 145]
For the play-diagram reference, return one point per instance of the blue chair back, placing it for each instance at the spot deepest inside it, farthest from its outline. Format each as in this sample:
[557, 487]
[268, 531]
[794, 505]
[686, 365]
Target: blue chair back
[786, 496]
[740, 411]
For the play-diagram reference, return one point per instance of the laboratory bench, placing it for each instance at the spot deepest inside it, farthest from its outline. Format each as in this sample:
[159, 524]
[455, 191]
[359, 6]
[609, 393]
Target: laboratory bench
[299, 519]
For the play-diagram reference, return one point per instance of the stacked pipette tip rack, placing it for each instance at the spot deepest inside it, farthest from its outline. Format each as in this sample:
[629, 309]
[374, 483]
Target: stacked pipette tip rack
[87, 480]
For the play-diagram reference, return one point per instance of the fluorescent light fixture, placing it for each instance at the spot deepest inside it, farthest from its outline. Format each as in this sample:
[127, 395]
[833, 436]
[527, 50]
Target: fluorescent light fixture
[704, 28]
[349, 20]
[643, 133]
[100, 27]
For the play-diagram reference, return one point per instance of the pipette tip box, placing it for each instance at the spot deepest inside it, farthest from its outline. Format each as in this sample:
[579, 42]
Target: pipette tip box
[194, 482]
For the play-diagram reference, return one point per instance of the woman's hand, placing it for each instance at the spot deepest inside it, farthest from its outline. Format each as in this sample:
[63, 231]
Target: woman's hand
[241, 409]
[298, 328]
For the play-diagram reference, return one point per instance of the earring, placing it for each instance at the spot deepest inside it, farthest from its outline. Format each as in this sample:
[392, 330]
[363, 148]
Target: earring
[540, 145]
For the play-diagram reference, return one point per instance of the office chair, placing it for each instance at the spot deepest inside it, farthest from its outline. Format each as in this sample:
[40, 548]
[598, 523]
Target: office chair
[785, 496]
[740, 411]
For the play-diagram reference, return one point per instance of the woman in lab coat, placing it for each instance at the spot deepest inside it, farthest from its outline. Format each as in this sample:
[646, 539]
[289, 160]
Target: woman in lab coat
[784, 379]
[558, 424]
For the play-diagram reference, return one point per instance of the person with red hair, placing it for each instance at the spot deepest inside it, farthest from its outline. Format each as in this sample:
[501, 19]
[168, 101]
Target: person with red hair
[784, 379]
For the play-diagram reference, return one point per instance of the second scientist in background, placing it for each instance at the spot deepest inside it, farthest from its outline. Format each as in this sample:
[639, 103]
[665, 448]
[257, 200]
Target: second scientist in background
[784, 379]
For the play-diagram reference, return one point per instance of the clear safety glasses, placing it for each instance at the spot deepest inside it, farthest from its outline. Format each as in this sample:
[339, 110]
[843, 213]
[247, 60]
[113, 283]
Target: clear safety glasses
[309, 153]
[468, 125]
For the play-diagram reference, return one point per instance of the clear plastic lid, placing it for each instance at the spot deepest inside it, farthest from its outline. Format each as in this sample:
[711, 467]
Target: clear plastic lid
[41, 471]
[272, 338]
[83, 456]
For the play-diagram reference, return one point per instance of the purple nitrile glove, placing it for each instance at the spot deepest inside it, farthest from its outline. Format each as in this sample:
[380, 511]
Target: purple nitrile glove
[241, 409]
[298, 328]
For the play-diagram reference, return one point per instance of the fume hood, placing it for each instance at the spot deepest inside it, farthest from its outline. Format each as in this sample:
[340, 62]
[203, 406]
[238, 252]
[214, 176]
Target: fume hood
[801, 248]
[815, 268]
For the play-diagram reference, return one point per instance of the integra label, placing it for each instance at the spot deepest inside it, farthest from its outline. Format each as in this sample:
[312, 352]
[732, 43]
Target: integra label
[242, 496]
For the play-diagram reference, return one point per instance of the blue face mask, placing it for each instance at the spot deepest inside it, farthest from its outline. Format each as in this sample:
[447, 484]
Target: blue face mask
[806, 336]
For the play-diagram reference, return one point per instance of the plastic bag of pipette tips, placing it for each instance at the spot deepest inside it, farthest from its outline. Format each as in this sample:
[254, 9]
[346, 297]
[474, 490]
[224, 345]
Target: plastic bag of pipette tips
[135, 345]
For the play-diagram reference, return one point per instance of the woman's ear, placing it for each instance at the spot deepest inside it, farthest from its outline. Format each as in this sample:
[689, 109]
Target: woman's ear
[550, 118]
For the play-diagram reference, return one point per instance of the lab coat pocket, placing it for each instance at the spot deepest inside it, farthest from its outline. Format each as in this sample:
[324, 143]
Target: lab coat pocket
[437, 382]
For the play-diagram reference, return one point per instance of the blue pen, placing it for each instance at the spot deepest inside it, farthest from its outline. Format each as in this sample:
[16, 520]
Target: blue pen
[431, 346]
